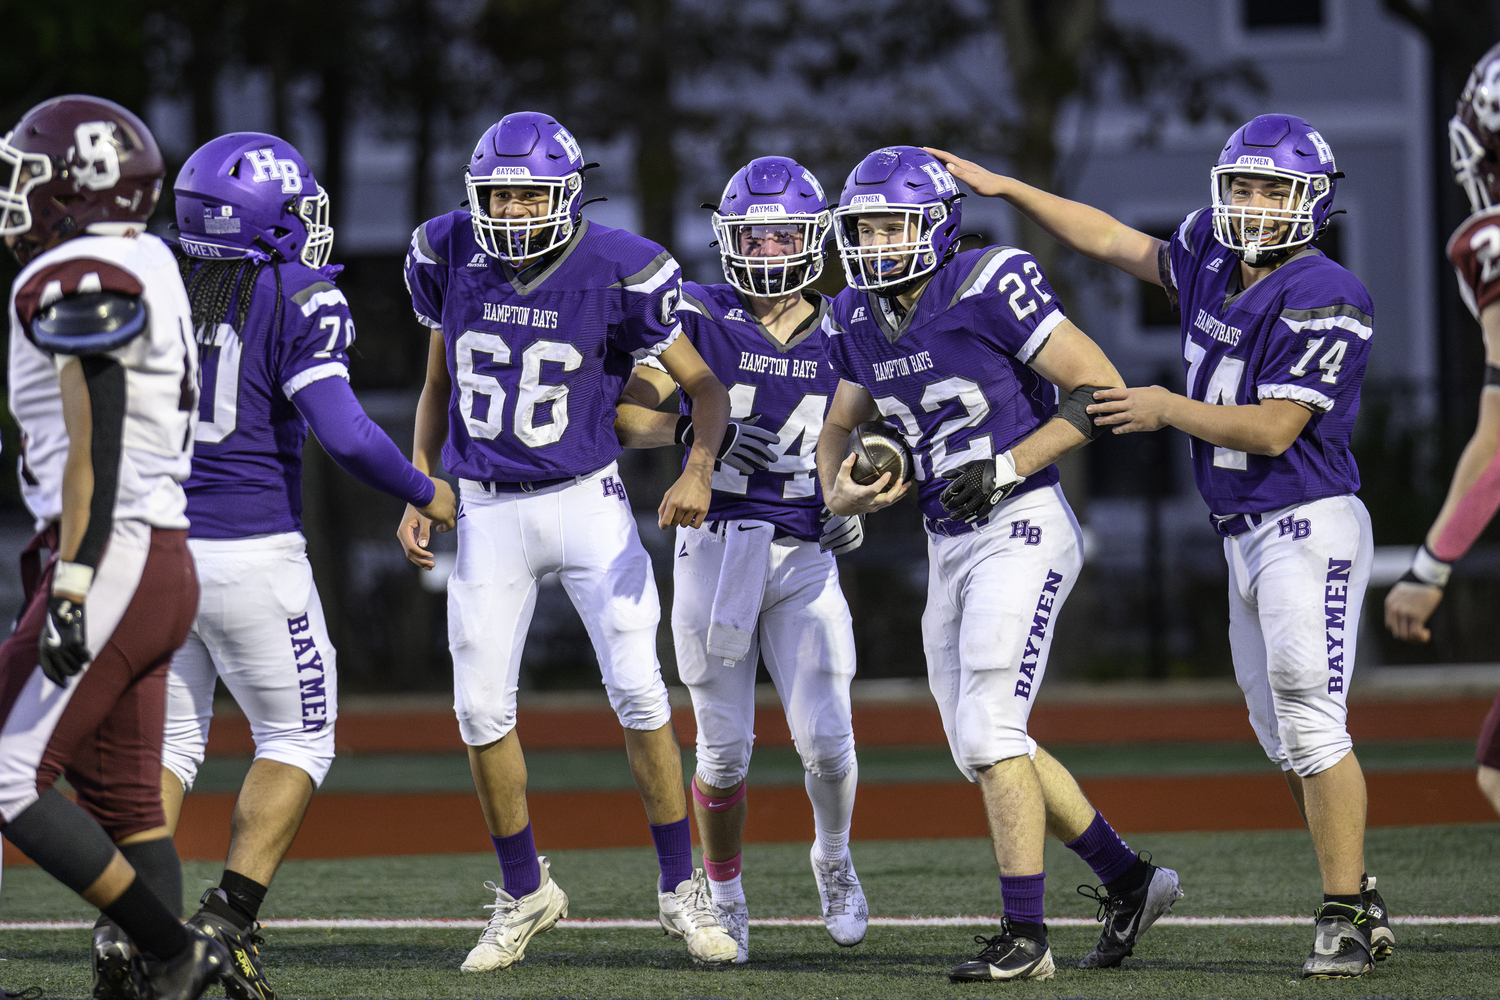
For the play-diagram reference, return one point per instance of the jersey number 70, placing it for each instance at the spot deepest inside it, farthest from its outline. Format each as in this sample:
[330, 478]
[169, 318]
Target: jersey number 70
[541, 410]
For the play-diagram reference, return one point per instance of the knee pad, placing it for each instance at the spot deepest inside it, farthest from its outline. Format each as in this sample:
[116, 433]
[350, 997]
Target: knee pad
[829, 759]
[723, 767]
[644, 708]
[310, 751]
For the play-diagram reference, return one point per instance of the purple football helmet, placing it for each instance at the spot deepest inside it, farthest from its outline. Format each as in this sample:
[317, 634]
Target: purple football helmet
[531, 151]
[909, 189]
[1281, 147]
[247, 194]
[772, 222]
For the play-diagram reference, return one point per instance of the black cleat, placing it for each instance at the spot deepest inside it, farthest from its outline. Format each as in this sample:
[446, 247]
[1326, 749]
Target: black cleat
[189, 974]
[1006, 956]
[242, 976]
[119, 970]
[1382, 941]
[1128, 915]
[1341, 943]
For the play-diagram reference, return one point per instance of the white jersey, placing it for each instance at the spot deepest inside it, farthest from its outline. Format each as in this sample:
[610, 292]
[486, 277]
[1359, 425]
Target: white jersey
[161, 376]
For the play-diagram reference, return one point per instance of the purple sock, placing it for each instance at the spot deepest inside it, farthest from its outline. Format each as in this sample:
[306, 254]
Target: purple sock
[1102, 849]
[519, 871]
[674, 849]
[1022, 895]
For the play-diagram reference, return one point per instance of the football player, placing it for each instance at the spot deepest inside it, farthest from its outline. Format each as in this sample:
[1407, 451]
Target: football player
[273, 334]
[1274, 340]
[1474, 494]
[103, 384]
[537, 318]
[760, 575]
[961, 352]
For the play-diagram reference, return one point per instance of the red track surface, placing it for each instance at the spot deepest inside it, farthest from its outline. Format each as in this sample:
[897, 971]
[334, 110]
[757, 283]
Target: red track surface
[341, 826]
[890, 725]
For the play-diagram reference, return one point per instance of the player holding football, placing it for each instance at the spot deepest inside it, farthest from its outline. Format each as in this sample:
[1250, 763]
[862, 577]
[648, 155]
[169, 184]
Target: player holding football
[1474, 494]
[958, 350]
[1275, 338]
[273, 335]
[103, 383]
[537, 319]
[760, 575]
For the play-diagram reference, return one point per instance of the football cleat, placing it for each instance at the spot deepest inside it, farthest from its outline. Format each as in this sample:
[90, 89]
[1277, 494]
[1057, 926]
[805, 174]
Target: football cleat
[845, 912]
[1006, 956]
[1382, 941]
[734, 917]
[189, 974]
[1128, 915]
[1341, 943]
[243, 977]
[515, 922]
[688, 915]
[119, 970]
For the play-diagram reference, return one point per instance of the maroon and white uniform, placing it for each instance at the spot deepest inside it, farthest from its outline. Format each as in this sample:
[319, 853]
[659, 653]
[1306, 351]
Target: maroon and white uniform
[104, 728]
[1474, 250]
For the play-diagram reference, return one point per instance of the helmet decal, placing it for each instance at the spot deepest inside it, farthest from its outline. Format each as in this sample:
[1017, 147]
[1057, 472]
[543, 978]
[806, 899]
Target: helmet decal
[96, 153]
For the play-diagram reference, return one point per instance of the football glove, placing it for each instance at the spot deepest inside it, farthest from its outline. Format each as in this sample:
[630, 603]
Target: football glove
[64, 644]
[745, 447]
[842, 533]
[978, 487]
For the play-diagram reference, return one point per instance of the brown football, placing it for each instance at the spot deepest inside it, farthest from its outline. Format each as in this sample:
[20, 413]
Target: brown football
[878, 448]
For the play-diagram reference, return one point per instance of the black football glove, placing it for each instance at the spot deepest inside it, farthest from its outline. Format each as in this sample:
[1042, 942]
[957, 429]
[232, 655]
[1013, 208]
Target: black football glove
[745, 447]
[978, 486]
[842, 533]
[64, 645]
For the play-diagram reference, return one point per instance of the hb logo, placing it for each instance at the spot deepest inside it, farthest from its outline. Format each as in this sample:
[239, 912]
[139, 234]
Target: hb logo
[614, 488]
[1297, 528]
[268, 168]
[1023, 529]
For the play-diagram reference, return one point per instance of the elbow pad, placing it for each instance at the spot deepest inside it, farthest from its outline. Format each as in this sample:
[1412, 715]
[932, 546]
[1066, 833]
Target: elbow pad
[90, 323]
[1074, 410]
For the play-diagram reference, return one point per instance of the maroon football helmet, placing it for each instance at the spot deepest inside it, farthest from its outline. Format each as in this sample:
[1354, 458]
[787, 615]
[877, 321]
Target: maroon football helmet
[76, 164]
[1474, 134]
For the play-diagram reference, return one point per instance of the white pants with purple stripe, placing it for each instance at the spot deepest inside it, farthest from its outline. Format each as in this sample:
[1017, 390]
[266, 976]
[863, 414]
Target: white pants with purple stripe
[1296, 585]
[993, 596]
[260, 629]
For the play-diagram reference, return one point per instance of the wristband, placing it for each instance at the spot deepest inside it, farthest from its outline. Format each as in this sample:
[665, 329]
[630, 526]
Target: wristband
[72, 578]
[1429, 569]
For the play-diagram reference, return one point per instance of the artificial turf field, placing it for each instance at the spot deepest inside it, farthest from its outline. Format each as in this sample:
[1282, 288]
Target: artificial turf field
[1422, 870]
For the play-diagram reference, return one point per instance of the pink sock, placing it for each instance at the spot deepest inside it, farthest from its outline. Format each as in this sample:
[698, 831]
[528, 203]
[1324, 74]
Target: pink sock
[723, 871]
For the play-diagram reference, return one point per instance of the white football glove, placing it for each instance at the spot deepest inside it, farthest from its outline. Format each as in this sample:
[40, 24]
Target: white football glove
[842, 533]
[745, 448]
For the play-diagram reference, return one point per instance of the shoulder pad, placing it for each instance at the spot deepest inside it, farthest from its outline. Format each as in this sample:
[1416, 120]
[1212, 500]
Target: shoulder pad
[1185, 231]
[984, 270]
[317, 295]
[89, 324]
[692, 303]
[421, 246]
[662, 269]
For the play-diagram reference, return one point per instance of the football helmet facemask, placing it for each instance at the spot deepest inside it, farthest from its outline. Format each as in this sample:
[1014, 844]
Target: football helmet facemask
[915, 203]
[1474, 134]
[771, 225]
[526, 151]
[1279, 148]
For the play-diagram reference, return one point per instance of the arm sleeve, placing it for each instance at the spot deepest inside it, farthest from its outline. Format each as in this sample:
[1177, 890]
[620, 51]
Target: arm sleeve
[1315, 355]
[1018, 307]
[105, 380]
[357, 444]
[650, 299]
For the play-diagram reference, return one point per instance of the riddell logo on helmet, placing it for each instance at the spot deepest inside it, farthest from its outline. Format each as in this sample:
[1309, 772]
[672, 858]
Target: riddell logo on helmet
[268, 168]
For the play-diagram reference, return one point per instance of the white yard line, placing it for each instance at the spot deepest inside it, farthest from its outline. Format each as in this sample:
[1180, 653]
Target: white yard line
[603, 924]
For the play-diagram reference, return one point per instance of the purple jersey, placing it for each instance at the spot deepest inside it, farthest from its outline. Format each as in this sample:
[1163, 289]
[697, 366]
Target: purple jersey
[953, 374]
[247, 461]
[789, 386]
[538, 364]
[1301, 333]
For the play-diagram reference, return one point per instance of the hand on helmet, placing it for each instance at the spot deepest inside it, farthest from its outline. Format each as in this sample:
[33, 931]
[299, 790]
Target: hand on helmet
[979, 486]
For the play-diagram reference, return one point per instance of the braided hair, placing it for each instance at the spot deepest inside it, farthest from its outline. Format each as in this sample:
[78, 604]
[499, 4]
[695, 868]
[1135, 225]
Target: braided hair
[214, 286]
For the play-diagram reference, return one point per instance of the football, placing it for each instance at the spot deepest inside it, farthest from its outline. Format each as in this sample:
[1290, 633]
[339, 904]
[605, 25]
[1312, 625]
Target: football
[878, 448]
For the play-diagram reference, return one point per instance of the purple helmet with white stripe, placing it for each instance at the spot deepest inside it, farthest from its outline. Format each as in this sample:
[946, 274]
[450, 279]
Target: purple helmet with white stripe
[1280, 148]
[771, 225]
[526, 150]
[897, 220]
[249, 193]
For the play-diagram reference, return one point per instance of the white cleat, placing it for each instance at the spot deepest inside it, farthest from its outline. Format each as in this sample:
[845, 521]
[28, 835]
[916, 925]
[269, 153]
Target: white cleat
[688, 915]
[845, 912]
[734, 917]
[515, 922]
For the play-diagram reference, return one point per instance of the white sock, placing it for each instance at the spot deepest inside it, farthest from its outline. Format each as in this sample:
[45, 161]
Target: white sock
[728, 891]
[833, 812]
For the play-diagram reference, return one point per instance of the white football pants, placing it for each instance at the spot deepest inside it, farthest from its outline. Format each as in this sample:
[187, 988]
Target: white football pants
[260, 628]
[584, 532]
[1296, 586]
[806, 635]
[993, 596]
